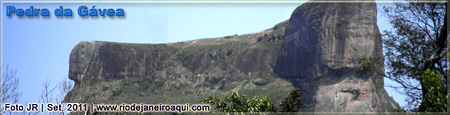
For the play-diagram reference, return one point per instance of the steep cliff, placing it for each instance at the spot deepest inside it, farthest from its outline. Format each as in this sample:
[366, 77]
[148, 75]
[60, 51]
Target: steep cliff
[316, 50]
[182, 72]
[321, 54]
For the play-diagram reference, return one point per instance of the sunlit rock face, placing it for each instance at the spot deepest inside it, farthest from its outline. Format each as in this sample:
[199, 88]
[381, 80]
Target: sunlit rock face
[320, 53]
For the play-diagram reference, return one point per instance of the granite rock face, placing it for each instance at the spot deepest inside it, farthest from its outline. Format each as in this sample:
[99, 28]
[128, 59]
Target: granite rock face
[316, 50]
[182, 72]
[321, 51]
[102, 60]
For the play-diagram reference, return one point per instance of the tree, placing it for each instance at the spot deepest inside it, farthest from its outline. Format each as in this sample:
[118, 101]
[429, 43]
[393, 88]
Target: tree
[436, 99]
[9, 87]
[415, 44]
[237, 103]
[293, 102]
[64, 87]
[47, 95]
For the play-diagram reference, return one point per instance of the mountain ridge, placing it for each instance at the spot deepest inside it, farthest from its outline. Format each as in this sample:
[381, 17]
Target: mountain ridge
[296, 53]
[216, 65]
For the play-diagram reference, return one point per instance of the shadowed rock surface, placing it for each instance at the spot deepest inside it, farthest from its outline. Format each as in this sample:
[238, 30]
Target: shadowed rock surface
[321, 51]
[316, 50]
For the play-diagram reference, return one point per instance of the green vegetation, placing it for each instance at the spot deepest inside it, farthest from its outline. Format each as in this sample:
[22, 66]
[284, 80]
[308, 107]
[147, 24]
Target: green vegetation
[240, 103]
[436, 99]
[366, 64]
[341, 21]
[147, 46]
[417, 42]
[317, 16]
[293, 102]
[117, 92]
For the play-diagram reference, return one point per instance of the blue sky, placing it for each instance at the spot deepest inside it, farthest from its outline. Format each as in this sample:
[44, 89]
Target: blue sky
[39, 48]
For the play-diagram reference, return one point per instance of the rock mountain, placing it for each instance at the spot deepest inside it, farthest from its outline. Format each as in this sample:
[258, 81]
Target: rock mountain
[318, 50]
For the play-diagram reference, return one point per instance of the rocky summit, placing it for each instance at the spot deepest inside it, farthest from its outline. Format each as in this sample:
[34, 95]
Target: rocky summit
[322, 49]
[322, 54]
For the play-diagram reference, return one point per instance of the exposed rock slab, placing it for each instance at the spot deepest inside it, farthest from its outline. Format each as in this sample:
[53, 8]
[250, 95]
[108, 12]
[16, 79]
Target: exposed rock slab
[320, 53]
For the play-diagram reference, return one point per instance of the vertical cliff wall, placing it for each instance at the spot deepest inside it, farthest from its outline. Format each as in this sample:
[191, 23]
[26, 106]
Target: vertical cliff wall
[321, 51]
